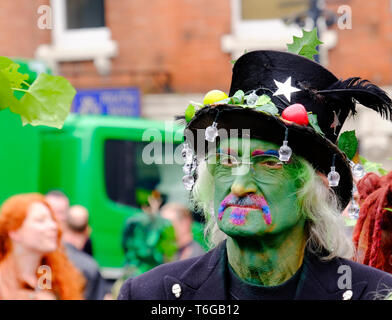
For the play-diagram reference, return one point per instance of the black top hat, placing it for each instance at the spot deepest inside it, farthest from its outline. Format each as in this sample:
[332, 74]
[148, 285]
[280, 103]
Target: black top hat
[289, 78]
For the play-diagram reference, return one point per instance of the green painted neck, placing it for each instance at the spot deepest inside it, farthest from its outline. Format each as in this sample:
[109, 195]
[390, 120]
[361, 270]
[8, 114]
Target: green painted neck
[269, 260]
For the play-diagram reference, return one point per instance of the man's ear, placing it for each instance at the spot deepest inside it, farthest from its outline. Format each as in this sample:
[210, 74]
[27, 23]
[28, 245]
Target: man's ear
[323, 178]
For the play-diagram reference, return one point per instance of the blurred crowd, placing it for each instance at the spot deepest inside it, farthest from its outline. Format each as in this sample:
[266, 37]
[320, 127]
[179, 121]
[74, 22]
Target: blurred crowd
[46, 251]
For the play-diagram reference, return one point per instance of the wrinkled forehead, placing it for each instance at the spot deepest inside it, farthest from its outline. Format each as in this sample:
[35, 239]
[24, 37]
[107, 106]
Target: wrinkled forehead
[247, 146]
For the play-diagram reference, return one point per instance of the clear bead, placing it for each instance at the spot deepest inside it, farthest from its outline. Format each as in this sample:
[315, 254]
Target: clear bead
[187, 153]
[211, 132]
[189, 167]
[188, 182]
[252, 99]
[353, 210]
[333, 178]
[285, 152]
[358, 171]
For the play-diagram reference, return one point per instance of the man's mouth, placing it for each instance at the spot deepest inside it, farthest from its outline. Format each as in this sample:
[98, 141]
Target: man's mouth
[242, 206]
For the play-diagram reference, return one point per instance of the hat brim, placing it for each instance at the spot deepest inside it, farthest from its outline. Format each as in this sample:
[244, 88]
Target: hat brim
[303, 140]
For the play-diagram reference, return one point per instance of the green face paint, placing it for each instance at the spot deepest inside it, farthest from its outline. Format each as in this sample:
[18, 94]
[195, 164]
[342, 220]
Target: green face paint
[256, 206]
[259, 196]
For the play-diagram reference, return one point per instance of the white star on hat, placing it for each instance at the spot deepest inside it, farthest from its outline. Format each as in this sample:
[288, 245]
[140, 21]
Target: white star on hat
[285, 89]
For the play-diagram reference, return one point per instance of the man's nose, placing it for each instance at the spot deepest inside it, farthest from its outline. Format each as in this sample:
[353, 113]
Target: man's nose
[242, 187]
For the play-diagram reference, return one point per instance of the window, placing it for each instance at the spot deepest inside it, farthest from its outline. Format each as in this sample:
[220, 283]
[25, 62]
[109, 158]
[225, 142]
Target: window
[79, 33]
[271, 9]
[263, 18]
[129, 180]
[258, 25]
[85, 14]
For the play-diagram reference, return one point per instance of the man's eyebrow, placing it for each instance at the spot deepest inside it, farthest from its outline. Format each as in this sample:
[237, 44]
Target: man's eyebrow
[270, 152]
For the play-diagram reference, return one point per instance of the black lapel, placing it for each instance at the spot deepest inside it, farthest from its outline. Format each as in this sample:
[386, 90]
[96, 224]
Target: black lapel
[319, 280]
[206, 279]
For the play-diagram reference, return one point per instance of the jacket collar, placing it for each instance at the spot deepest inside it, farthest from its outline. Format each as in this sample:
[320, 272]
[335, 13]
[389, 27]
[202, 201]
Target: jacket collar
[201, 283]
[318, 281]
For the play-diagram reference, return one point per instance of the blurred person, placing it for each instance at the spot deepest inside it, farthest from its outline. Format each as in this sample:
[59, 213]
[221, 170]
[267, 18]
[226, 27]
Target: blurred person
[373, 231]
[181, 219]
[76, 232]
[60, 204]
[30, 238]
[148, 240]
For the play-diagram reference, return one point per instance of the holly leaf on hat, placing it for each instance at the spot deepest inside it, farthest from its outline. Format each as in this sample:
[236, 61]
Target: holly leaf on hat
[314, 123]
[305, 46]
[348, 143]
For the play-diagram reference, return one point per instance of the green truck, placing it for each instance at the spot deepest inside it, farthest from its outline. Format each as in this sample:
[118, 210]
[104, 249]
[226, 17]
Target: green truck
[100, 162]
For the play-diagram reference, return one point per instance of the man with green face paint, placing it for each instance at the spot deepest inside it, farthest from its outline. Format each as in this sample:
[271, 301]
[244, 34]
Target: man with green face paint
[264, 168]
[258, 209]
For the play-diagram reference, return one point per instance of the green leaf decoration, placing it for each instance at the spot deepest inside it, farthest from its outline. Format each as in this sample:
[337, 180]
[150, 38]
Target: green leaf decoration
[263, 99]
[190, 112]
[388, 209]
[225, 101]
[46, 102]
[238, 97]
[314, 123]
[7, 97]
[348, 143]
[268, 108]
[5, 62]
[15, 78]
[370, 166]
[305, 46]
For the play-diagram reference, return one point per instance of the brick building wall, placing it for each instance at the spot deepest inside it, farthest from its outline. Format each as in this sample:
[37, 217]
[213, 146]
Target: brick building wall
[173, 44]
[19, 33]
[176, 44]
[366, 49]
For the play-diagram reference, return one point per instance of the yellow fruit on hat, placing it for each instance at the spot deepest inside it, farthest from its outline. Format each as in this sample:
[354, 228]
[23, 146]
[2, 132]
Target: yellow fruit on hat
[214, 96]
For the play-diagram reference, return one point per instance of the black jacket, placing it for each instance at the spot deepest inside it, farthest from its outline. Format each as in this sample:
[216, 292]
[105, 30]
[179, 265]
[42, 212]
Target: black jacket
[205, 278]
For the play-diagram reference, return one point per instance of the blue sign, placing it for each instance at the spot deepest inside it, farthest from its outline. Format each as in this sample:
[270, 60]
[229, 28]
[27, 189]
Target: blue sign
[111, 101]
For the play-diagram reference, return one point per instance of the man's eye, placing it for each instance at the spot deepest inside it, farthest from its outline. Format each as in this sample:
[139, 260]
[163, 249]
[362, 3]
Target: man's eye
[228, 161]
[273, 164]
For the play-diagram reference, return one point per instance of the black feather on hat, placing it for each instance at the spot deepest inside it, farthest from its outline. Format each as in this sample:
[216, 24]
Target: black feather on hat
[311, 85]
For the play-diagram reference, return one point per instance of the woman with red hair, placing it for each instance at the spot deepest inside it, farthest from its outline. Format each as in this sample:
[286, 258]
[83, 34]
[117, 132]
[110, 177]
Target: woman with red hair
[33, 264]
[373, 231]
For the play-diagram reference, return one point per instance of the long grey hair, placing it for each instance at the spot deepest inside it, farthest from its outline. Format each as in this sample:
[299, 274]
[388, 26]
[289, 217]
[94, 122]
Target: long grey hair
[325, 224]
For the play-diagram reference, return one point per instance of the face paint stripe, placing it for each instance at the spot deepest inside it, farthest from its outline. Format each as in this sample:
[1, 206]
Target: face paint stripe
[270, 152]
[241, 207]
